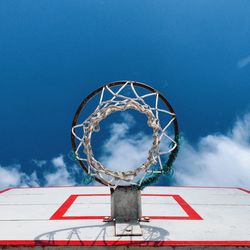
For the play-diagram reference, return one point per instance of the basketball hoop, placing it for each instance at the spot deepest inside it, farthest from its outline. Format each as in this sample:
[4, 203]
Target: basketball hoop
[127, 95]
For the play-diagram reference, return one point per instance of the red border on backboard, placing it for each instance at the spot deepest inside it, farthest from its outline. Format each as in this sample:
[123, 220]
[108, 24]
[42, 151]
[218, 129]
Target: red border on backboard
[5, 190]
[61, 211]
[140, 243]
[244, 190]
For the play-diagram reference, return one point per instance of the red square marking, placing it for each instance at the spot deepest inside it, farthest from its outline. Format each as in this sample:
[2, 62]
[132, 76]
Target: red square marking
[191, 214]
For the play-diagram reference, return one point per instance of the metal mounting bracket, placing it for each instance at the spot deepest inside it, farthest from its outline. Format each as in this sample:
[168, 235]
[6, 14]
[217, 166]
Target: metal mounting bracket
[126, 210]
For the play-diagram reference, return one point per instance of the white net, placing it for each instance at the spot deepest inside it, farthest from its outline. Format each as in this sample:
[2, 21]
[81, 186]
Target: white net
[121, 102]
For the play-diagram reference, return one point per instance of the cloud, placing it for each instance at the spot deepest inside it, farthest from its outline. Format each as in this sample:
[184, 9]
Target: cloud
[243, 62]
[123, 150]
[128, 119]
[58, 162]
[54, 173]
[217, 160]
[61, 175]
[12, 176]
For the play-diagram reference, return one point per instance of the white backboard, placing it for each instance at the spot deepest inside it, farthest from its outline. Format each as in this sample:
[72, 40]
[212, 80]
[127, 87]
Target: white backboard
[73, 216]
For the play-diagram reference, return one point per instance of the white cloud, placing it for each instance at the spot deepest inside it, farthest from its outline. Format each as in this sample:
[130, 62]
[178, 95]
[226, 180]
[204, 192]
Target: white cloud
[12, 176]
[123, 151]
[241, 130]
[217, 160]
[58, 162]
[61, 176]
[243, 62]
[128, 119]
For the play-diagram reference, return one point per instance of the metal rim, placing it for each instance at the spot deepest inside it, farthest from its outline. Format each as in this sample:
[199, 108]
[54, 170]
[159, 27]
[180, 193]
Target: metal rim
[112, 84]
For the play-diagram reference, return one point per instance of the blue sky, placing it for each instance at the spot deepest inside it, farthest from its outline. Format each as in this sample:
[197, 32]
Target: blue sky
[53, 53]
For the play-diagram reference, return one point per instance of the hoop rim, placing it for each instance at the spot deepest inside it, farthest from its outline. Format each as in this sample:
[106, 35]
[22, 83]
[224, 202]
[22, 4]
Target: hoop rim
[112, 84]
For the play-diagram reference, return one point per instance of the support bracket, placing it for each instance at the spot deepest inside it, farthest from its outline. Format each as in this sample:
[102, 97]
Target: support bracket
[126, 210]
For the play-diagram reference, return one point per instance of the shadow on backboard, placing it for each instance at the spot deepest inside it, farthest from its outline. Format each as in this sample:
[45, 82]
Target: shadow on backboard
[102, 235]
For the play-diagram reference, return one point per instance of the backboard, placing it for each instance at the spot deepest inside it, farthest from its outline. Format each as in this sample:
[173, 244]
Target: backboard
[73, 216]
